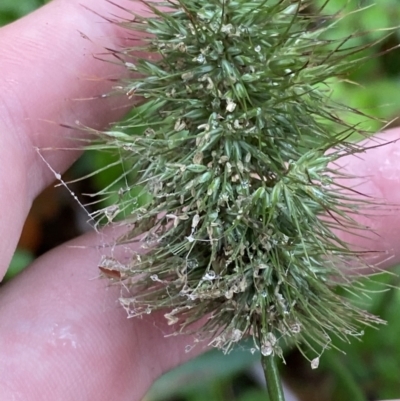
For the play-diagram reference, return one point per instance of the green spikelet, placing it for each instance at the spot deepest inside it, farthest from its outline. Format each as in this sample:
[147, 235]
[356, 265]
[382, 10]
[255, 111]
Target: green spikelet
[234, 147]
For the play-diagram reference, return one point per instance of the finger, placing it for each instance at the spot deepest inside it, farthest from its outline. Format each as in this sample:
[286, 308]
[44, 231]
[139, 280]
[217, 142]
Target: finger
[378, 170]
[73, 324]
[48, 63]
[65, 337]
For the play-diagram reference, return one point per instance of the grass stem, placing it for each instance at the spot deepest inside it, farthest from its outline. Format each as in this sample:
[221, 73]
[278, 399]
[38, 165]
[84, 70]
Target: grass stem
[274, 384]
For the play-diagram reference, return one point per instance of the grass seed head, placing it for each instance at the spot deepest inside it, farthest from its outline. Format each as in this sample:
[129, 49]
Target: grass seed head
[233, 150]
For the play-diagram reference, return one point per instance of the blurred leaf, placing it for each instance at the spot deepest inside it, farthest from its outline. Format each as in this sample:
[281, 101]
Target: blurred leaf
[20, 260]
[197, 375]
[11, 10]
[253, 395]
[370, 368]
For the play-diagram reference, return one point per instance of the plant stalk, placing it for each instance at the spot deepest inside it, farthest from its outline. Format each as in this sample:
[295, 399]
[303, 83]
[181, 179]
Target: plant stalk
[274, 384]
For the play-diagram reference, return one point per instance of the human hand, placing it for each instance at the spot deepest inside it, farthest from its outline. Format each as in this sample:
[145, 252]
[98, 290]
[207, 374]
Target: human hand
[63, 336]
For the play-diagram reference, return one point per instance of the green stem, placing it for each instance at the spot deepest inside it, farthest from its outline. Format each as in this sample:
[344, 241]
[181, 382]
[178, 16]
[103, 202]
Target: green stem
[272, 377]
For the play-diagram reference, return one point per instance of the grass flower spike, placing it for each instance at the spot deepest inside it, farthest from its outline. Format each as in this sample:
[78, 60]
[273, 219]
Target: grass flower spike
[233, 150]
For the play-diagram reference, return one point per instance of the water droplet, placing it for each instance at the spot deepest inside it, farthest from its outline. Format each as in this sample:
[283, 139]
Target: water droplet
[315, 363]
[201, 59]
[191, 264]
[245, 183]
[190, 238]
[209, 276]
[257, 48]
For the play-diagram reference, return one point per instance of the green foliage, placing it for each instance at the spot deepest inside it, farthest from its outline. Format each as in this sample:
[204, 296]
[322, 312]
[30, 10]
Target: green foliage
[376, 83]
[11, 10]
[20, 260]
[371, 365]
[212, 371]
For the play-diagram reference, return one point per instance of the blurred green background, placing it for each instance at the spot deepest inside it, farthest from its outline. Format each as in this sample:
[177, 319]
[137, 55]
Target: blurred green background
[368, 369]
[11, 10]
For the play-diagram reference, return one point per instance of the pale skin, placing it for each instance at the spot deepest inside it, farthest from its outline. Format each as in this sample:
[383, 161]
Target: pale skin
[62, 334]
